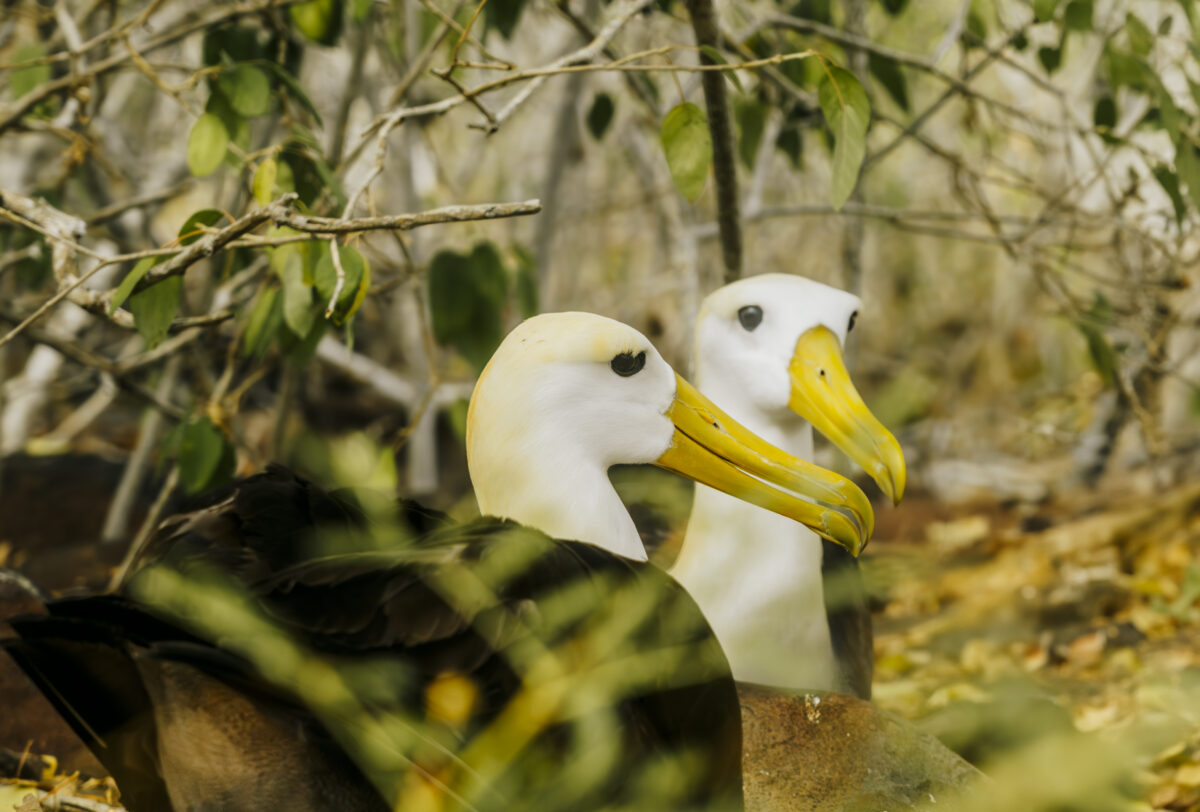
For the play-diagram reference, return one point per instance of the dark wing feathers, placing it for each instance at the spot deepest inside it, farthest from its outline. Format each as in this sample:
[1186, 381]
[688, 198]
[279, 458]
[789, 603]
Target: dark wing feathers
[460, 598]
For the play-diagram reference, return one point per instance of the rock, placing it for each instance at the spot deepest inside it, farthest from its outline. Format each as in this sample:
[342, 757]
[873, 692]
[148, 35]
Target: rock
[825, 752]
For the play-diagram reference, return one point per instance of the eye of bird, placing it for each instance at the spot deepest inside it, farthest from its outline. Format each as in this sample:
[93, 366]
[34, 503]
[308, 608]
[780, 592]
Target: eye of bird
[853, 316]
[627, 363]
[750, 316]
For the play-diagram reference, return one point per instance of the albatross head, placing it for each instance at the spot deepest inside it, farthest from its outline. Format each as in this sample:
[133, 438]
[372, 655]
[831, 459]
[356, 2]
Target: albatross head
[568, 395]
[774, 343]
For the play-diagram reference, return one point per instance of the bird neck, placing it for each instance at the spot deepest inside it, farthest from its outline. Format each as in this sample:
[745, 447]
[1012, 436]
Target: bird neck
[757, 575]
[572, 501]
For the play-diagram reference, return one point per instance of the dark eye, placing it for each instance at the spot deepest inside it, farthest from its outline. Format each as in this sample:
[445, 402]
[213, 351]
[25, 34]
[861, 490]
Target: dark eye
[750, 316]
[627, 363]
[853, 316]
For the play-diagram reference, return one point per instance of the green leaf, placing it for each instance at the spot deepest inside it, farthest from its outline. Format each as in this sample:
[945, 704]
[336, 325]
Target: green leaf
[466, 301]
[1172, 118]
[976, 25]
[202, 448]
[791, 143]
[1127, 70]
[155, 307]
[360, 10]
[1141, 41]
[293, 88]
[301, 350]
[206, 145]
[848, 113]
[193, 228]
[1187, 165]
[325, 280]
[600, 115]
[299, 312]
[526, 282]
[263, 323]
[688, 147]
[751, 118]
[719, 59]
[237, 127]
[1170, 184]
[319, 20]
[503, 15]
[1043, 10]
[23, 80]
[263, 184]
[1051, 58]
[889, 74]
[1101, 353]
[247, 88]
[130, 282]
[818, 10]
[1078, 16]
[1104, 113]
[238, 43]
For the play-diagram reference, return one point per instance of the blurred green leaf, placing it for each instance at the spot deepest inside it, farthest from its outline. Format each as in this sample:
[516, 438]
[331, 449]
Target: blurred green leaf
[791, 143]
[503, 15]
[155, 307]
[300, 350]
[1078, 15]
[1172, 118]
[247, 88]
[1187, 166]
[976, 25]
[1100, 351]
[1141, 41]
[193, 228]
[848, 113]
[23, 80]
[292, 87]
[360, 10]
[600, 115]
[237, 127]
[358, 277]
[206, 145]
[264, 321]
[1050, 58]
[718, 58]
[1170, 184]
[299, 311]
[817, 10]
[889, 74]
[1104, 113]
[1043, 10]
[894, 7]
[688, 147]
[130, 282]
[751, 118]
[319, 20]
[466, 301]
[1127, 70]
[202, 448]
[238, 43]
[526, 282]
[263, 184]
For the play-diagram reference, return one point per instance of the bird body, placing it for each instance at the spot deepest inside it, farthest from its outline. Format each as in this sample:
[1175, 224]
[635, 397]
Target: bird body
[593, 678]
[788, 610]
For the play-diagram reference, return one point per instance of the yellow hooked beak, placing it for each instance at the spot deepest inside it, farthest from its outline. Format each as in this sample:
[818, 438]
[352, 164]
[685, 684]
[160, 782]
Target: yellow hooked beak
[712, 448]
[823, 394]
